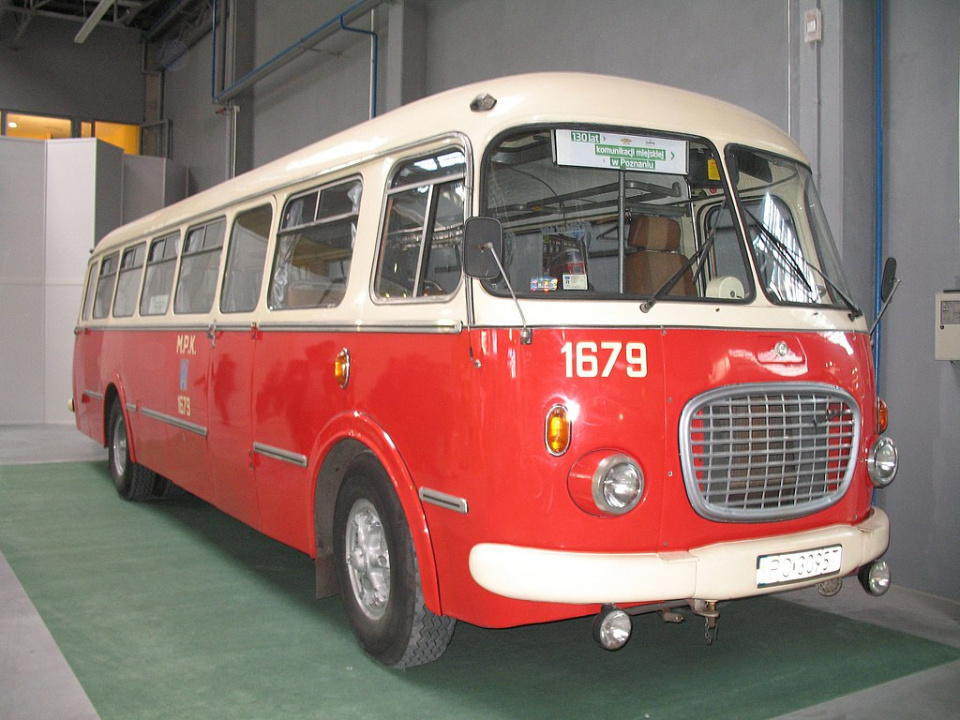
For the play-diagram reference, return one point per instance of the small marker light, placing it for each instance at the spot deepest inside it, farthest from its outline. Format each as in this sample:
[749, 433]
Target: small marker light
[557, 430]
[882, 416]
[484, 102]
[341, 368]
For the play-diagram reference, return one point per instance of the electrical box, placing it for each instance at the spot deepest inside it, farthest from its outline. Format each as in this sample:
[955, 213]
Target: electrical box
[947, 329]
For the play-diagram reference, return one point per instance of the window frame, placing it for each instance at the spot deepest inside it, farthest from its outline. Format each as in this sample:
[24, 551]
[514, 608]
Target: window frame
[164, 239]
[186, 254]
[284, 231]
[394, 188]
[105, 262]
[121, 271]
[231, 240]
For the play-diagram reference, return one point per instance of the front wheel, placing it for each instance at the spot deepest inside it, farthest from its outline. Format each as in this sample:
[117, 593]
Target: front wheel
[133, 481]
[379, 574]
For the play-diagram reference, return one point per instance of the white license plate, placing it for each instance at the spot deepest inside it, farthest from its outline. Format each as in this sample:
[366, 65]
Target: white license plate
[798, 566]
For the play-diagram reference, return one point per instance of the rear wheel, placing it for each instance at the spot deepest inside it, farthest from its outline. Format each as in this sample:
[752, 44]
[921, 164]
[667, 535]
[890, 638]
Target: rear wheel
[379, 574]
[133, 481]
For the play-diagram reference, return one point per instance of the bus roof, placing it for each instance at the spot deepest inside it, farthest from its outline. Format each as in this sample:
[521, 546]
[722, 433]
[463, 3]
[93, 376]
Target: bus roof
[521, 99]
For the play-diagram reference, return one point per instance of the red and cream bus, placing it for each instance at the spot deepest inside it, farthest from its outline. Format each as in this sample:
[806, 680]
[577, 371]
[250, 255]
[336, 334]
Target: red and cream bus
[542, 347]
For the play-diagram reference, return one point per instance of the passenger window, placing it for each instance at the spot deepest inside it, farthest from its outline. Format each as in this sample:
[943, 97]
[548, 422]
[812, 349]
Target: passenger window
[108, 276]
[158, 282]
[90, 293]
[128, 281]
[199, 266]
[420, 253]
[245, 257]
[315, 248]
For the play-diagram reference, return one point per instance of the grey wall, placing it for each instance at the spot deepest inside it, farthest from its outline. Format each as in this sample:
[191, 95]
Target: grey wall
[47, 73]
[57, 199]
[22, 228]
[83, 193]
[921, 221]
[733, 50]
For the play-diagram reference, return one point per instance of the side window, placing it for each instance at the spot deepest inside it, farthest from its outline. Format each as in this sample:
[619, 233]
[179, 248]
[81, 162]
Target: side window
[420, 252]
[161, 265]
[315, 247]
[108, 276]
[128, 281]
[199, 266]
[90, 292]
[245, 257]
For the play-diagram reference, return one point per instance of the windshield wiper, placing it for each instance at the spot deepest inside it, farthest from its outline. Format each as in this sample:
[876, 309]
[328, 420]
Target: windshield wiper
[852, 310]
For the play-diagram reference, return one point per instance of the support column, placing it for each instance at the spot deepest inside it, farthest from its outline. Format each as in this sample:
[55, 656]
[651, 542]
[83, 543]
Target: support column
[406, 56]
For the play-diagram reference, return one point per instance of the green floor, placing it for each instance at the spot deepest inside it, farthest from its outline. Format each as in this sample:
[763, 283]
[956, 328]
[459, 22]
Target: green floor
[175, 610]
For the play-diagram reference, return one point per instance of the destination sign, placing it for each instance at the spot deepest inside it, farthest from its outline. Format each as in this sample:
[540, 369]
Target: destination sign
[612, 151]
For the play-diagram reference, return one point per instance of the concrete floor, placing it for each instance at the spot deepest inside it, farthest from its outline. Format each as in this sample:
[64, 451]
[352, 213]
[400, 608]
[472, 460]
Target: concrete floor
[37, 682]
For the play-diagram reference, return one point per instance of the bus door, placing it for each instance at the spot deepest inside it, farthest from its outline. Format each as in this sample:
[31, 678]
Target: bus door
[175, 403]
[87, 384]
[293, 382]
[233, 344]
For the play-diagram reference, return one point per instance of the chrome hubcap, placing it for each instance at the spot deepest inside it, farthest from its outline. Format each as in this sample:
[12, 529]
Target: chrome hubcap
[368, 559]
[120, 446]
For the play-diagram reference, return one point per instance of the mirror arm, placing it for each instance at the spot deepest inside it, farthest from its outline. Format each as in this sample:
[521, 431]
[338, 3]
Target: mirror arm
[526, 333]
[883, 308]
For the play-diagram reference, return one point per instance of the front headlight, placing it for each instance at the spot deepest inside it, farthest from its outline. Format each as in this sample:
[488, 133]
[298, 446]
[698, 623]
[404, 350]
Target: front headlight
[617, 485]
[606, 482]
[882, 462]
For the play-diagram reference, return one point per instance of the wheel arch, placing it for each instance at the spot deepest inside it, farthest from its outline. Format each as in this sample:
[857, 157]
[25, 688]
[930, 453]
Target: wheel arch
[343, 440]
[114, 392]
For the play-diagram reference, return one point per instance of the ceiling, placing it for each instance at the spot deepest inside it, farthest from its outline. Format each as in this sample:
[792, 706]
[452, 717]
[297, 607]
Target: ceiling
[156, 19]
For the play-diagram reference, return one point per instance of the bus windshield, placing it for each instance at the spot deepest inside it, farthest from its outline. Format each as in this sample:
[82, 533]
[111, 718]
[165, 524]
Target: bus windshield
[608, 214]
[796, 259]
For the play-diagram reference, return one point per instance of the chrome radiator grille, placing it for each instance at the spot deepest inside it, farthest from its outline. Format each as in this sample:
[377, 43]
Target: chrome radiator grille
[765, 452]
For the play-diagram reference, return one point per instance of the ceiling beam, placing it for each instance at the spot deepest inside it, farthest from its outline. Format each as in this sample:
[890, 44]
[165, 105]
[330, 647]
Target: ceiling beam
[91, 22]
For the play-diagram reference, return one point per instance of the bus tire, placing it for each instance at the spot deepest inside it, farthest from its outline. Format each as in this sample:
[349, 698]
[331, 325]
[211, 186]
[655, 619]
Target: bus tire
[379, 575]
[166, 489]
[132, 481]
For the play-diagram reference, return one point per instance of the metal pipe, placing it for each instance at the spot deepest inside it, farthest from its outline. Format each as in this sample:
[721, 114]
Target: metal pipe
[374, 55]
[878, 181]
[294, 51]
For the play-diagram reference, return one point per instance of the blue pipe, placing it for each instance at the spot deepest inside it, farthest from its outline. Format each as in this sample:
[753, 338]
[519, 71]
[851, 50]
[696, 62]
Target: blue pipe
[288, 54]
[376, 56]
[878, 183]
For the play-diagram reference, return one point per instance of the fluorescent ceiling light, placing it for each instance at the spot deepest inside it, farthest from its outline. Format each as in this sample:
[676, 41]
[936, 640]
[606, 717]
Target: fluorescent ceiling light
[96, 16]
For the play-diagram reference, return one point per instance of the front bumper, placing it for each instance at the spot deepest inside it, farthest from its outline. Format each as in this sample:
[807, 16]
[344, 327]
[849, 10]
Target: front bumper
[723, 571]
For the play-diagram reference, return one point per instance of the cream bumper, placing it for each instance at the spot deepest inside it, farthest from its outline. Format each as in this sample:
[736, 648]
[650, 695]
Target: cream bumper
[714, 572]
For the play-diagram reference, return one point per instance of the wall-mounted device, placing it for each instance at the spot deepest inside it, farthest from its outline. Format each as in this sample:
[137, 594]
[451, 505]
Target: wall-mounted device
[947, 328]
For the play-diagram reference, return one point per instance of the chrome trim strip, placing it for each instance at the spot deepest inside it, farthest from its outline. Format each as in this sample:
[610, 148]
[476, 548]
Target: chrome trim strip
[449, 502]
[452, 327]
[176, 422]
[131, 407]
[93, 395]
[280, 454]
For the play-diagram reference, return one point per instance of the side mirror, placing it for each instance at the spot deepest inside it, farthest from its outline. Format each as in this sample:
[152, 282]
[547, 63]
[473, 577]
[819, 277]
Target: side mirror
[889, 279]
[482, 247]
[889, 282]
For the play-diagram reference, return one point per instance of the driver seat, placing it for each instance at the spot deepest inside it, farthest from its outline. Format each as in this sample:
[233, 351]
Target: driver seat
[656, 258]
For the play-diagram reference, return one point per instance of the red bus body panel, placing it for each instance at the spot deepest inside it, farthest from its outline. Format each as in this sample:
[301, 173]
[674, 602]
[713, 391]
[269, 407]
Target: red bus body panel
[437, 420]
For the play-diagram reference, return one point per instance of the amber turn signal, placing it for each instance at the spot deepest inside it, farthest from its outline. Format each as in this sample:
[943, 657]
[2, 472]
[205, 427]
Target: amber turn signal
[882, 416]
[341, 368]
[557, 430]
